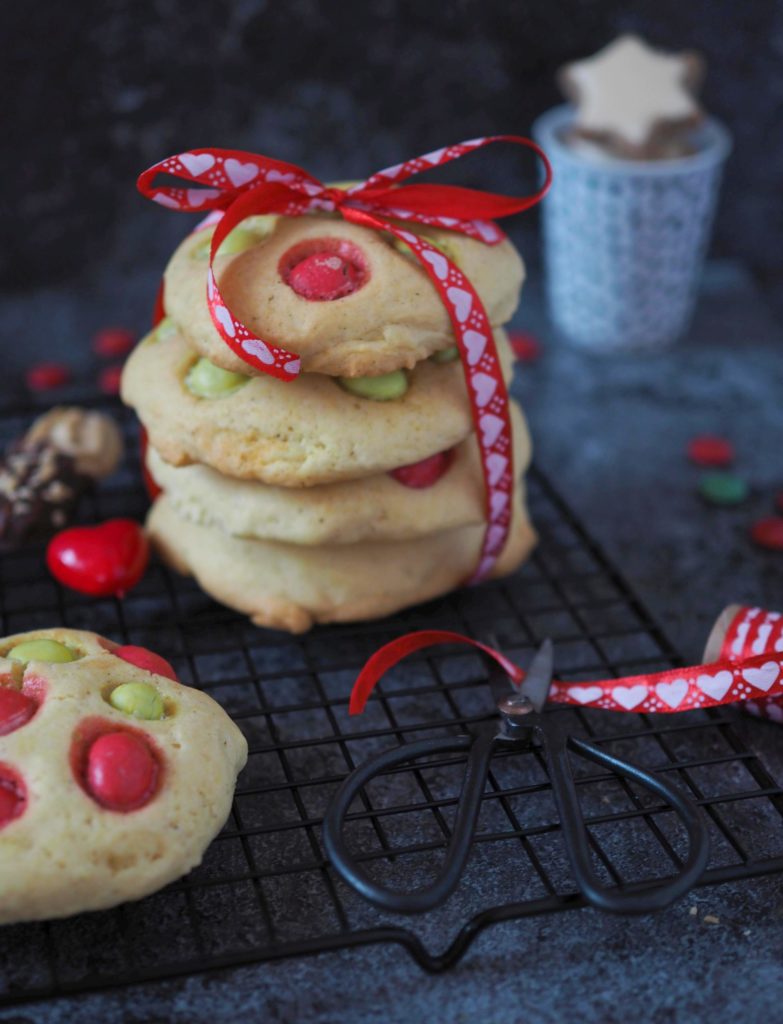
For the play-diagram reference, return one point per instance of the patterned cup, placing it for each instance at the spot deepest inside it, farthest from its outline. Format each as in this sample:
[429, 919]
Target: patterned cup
[624, 240]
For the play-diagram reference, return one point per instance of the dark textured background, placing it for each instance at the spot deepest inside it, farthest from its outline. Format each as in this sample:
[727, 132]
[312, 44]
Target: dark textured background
[94, 92]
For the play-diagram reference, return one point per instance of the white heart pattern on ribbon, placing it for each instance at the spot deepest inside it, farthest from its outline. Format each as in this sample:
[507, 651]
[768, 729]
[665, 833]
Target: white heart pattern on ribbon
[762, 678]
[224, 318]
[672, 693]
[496, 466]
[629, 697]
[437, 262]
[239, 173]
[585, 694]
[716, 686]
[256, 347]
[485, 387]
[491, 426]
[435, 156]
[198, 196]
[475, 343]
[197, 163]
[462, 302]
[497, 503]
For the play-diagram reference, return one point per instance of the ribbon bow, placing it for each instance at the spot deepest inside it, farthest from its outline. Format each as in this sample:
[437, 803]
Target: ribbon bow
[240, 184]
[236, 185]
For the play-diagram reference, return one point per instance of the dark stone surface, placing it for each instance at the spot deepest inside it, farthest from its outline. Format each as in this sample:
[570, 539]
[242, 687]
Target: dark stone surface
[102, 90]
[611, 432]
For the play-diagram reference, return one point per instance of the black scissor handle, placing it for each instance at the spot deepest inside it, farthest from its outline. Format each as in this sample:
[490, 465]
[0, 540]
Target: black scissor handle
[618, 901]
[479, 754]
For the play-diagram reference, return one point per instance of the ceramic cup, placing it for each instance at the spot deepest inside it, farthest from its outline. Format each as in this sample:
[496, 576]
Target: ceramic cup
[624, 240]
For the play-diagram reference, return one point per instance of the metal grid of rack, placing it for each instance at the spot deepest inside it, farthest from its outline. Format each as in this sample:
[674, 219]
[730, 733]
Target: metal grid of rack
[265, 889]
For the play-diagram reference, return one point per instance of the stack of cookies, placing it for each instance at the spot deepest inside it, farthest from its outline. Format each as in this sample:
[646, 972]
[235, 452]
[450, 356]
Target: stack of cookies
[356, 489]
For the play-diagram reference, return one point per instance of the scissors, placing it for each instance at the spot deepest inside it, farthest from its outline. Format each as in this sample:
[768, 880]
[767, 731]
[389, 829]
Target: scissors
[521, 719]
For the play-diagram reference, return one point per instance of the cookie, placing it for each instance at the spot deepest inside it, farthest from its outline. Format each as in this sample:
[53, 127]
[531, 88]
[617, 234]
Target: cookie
[632, 99]
[291, 587]
[379, 507]
[92, 439]
[347, 299]
[309, 431]
[114, 778]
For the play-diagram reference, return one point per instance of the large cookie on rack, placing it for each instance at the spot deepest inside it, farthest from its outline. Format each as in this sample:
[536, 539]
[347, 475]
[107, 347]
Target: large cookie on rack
[114, 778]
[347, 299]
[298, 433]
[386, 506]
[291, 586]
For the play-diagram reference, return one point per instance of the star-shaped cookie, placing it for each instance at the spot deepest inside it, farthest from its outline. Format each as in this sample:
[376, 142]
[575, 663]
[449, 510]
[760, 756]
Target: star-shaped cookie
[632, 98]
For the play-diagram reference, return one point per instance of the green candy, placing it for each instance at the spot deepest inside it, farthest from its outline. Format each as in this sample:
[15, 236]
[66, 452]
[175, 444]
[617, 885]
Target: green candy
[238, 240]
[141, 700]
[165, 329]
[442, 246]
[205, 380]
[41, 650]
[723, 489]
[380, 389]
[446, 355]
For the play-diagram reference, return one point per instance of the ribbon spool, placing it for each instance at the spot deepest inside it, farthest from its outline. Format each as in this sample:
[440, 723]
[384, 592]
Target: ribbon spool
[742, 631]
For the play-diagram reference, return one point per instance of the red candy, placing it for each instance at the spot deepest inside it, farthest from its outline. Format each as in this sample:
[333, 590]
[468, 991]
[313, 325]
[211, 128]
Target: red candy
[322, 270]
[710, 451]
[16, 708]
[425, 473]
[122, 771]
[147, 660]
[768, 533]
[109, 380]
[99, 560]
[13, 795]
[524, 346]
[112, 342]
[47, 376]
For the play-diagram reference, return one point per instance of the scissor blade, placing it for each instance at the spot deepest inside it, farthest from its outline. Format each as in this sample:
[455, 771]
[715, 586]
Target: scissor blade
[538, 678]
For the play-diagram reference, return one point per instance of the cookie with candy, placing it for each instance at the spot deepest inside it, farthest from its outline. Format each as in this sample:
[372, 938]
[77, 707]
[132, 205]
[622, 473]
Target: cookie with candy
[294, 586]
[310, 431]
[325, 391]
[438, 493]
[349, 300]
[114, 777]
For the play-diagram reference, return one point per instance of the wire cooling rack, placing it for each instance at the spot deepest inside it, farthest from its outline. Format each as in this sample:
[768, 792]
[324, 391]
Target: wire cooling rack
[265, 889]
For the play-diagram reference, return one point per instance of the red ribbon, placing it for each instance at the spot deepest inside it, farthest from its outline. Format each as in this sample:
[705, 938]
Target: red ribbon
[750, 670]
[236, 185]
[241, 184]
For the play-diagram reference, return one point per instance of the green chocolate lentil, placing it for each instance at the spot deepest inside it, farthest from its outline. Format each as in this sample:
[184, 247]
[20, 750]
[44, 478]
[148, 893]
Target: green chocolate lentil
[723, 489]
[441, 246]
[41, 650]
[446, 355]
[236, 241]
[383, 388]
[205, 380]
[141, 700]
